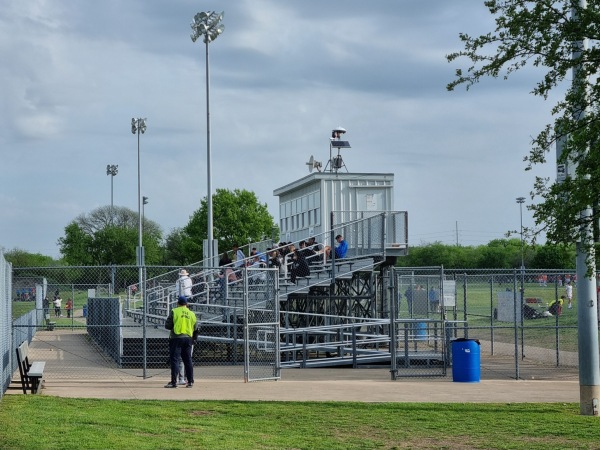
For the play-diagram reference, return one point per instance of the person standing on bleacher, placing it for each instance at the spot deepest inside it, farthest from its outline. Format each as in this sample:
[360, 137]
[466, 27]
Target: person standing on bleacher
[183, 286]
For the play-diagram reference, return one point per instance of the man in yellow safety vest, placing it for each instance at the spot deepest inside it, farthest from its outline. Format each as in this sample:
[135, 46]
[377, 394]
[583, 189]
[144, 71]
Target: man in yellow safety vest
[181, 322]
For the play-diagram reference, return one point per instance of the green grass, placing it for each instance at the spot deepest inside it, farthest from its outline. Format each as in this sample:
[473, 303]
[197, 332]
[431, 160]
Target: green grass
[21, 308]
[79, 299]
[538, 332]
[40, 422]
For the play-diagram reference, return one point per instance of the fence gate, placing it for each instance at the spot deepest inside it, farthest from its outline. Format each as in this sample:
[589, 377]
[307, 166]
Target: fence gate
[261, 333]
[418, 346]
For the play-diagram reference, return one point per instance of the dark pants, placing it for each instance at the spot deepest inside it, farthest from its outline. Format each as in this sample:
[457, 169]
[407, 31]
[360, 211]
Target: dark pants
[181, 347]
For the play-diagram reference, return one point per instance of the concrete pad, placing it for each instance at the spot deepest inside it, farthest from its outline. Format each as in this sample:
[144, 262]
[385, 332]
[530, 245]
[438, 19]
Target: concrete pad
[309, 385]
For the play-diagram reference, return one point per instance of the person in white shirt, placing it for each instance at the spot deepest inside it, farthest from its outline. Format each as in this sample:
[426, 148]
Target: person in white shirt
[183, 286]
[569, 292]
[57, 304]
[238, 256]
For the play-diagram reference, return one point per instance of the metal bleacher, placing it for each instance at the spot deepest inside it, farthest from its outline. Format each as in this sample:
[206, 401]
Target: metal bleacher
[319, 313]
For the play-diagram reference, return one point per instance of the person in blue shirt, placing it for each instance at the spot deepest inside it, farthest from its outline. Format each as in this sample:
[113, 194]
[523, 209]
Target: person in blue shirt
[434, 299]
[340, 249]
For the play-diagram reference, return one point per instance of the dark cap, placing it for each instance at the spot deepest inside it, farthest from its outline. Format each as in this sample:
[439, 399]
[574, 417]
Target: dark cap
[182, 300]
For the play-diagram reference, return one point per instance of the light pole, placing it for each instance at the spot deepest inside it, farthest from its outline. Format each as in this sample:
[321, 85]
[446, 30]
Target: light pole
[138, 126]
[208, 24]
[111, 170]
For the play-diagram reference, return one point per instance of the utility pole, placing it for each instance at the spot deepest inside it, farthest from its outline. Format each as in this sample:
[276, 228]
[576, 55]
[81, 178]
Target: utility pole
[587, 313]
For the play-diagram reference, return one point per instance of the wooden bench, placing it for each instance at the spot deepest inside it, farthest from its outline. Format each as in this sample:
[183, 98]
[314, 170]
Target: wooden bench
[32, 374]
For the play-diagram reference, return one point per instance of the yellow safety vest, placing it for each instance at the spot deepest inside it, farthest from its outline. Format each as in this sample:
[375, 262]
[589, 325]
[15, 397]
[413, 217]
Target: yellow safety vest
[184, 321]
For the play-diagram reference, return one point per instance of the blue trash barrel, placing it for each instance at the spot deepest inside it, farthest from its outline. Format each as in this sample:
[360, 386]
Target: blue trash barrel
[466, 359]
[421, 331]
[84, 310]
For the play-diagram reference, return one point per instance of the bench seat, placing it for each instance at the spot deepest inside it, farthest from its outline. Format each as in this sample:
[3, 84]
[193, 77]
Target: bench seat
[32, 374]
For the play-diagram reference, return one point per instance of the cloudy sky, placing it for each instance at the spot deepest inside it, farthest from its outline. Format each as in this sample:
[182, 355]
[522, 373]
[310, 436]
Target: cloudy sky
[283, 75]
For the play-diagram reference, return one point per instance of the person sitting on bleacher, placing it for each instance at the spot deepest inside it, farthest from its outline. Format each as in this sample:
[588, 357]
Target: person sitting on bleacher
[298, 267]
[275, 260]
[314, 245]
[341, 248]
[226, 275]
[258, 275]
[308, 253]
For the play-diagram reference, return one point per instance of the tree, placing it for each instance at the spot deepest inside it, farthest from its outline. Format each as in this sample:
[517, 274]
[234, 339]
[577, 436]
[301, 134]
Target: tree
[103, 238]
[554, 257]
[555, 35]
[238, 217]
[21, 258]
[174, 248]
[545, 34]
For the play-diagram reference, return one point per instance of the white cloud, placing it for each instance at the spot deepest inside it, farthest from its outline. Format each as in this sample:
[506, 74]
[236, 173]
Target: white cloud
[282, 75]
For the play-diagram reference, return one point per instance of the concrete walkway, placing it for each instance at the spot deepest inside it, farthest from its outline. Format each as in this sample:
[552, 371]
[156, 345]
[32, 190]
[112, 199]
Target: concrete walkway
[76, 369]
[322, 385]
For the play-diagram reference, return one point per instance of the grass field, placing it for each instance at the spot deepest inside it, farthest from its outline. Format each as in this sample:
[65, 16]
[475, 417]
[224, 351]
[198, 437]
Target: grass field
[481, 301]
[39, 422]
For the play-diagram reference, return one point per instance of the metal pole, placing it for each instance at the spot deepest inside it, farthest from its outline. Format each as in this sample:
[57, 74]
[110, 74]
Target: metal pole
[520, 201]
[140, 256]
[517, 374]
[111, 193]
[140, 253]
[209, 253]
[587, 314]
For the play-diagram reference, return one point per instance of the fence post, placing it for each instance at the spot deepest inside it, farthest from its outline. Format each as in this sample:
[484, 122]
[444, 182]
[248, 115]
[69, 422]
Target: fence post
[393, 296]
[516, 334]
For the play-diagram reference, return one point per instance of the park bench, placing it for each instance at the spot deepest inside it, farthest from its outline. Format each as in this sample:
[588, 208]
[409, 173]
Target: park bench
[32, 374]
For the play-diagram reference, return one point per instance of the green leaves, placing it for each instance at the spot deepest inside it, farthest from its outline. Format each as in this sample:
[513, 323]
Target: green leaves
[545, 34]
[238, 217]
[109, 236]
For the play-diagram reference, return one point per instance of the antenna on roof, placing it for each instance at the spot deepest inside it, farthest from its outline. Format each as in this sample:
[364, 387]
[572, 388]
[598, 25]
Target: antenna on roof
[312, 164]
[336, 162]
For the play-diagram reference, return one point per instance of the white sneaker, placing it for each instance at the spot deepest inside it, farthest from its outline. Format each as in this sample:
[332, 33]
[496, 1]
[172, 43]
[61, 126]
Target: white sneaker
[181, 382]
[570, 306]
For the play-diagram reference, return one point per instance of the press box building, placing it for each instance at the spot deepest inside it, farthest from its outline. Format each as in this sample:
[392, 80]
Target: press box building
[305, 206]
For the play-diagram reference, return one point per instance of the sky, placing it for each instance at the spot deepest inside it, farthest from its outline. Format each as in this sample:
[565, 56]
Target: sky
[282, 76]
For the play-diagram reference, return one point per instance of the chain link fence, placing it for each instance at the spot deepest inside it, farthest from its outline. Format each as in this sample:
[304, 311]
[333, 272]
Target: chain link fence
[510, 313]
[6, 349]
[404, 319]
[109, 332]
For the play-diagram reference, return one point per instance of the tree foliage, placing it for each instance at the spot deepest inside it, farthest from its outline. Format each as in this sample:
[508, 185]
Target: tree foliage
[109, 236]
[238, 217]
[497, 254]
[548, 35]
[21, 258]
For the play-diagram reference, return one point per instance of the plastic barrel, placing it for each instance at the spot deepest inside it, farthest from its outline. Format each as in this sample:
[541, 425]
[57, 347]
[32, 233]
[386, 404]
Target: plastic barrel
[421, 331]
[84, 310]
[466, 359]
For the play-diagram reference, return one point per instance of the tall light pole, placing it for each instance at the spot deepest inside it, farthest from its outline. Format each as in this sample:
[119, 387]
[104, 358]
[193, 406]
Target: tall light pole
[138, 126]
[111, 170]
[208, 24]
